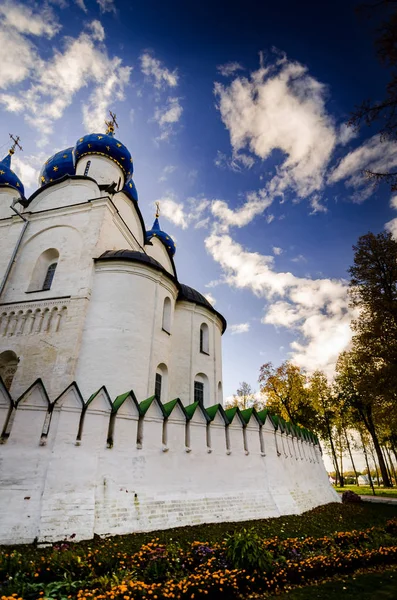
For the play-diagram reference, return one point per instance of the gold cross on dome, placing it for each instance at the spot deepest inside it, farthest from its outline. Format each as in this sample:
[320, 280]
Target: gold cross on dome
[15, 144]
[111, 124]
[157, 209]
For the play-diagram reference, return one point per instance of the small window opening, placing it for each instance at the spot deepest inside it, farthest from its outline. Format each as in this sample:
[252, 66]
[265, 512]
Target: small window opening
[199, 392]
[49, 276]
[87, 168]
[167, 315]
[204, 339]
[157, 386]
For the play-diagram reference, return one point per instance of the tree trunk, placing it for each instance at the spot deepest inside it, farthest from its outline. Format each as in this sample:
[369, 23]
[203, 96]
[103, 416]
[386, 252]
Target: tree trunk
[372, 431]
[391, 464]
[351, 457]
[375, 467]
[337, 474]
[366, 461]
[342, 477]
[387, 465]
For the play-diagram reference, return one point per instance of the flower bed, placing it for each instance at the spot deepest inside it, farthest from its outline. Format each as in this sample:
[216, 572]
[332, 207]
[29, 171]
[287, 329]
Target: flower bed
[241, 564]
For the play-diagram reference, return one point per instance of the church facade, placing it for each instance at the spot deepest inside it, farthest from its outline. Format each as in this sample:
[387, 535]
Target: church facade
[141, 441]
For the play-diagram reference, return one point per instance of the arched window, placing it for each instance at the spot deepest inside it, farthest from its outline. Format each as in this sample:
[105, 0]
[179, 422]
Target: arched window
[44, 270]
[8, 367]
[201, 389]
[204, 339]
[167, 315]
[49, 276]
[161, 383]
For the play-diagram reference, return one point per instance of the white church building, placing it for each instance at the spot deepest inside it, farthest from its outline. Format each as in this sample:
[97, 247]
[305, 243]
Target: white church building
[111, 417]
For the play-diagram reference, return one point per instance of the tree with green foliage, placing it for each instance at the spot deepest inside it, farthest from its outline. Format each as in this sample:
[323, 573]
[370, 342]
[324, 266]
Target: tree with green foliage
[354, 383]
[285, 388]
[245, 397]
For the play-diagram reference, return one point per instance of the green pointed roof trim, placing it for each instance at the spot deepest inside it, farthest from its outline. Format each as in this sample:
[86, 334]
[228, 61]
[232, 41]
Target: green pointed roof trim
[213, 410]
[262, 415]
[95, 394]
[190, 409]
[246, 414]
[146, 404]
[231, 413]
[168, 407]
[119, 401]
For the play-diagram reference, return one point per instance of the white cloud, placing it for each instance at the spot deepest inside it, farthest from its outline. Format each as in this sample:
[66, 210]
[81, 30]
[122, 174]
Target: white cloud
[374, 155]
[27, 169]
[166, 116]
[81, 4]
[229, 68]
[281, 107]
[315, 203]
[28, 20]
[316, 309]
[106, 6]
[210, 298]
[237, 163]
[256, 203]
[299, 258]
[168, 170]
[277, 251]
[156, 72]
[98, 32]
[182, 214]
[239, 328]
[54, 83]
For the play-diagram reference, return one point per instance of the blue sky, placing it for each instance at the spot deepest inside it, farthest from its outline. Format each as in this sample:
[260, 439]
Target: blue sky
[235, 114]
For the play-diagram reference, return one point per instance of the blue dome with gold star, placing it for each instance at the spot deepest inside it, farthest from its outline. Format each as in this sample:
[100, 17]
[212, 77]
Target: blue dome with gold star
[57, 166]
[162, 236]
[8, 177]
[130, 189]
[104, 144]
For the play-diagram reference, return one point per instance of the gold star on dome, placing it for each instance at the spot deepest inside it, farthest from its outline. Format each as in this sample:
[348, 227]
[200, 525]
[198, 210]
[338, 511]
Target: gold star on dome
[131, 159]
[118, 145]
[130, 185]
[122, 158]
[42, 179]
[65, 156]
[51, 180]
[89, 145]
[55, 168]
[108, 148]
[2, 172]
[18, 185]
[76, 153]
[81, 139]
[100, 137]
[6, 183]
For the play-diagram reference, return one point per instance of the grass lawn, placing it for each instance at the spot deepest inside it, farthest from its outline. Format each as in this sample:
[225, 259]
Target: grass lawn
[365, 490]
[366, 586]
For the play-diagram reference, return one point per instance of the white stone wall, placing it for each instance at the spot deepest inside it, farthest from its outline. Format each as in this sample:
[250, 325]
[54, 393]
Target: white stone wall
[62, 475]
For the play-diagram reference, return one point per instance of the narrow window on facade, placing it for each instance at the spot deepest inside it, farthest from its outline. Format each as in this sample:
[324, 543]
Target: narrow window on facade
[157, 386]
[49, 277]
[204, 339]
[167, 315]
[199, 392]
[87, 168]
[44, 270]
